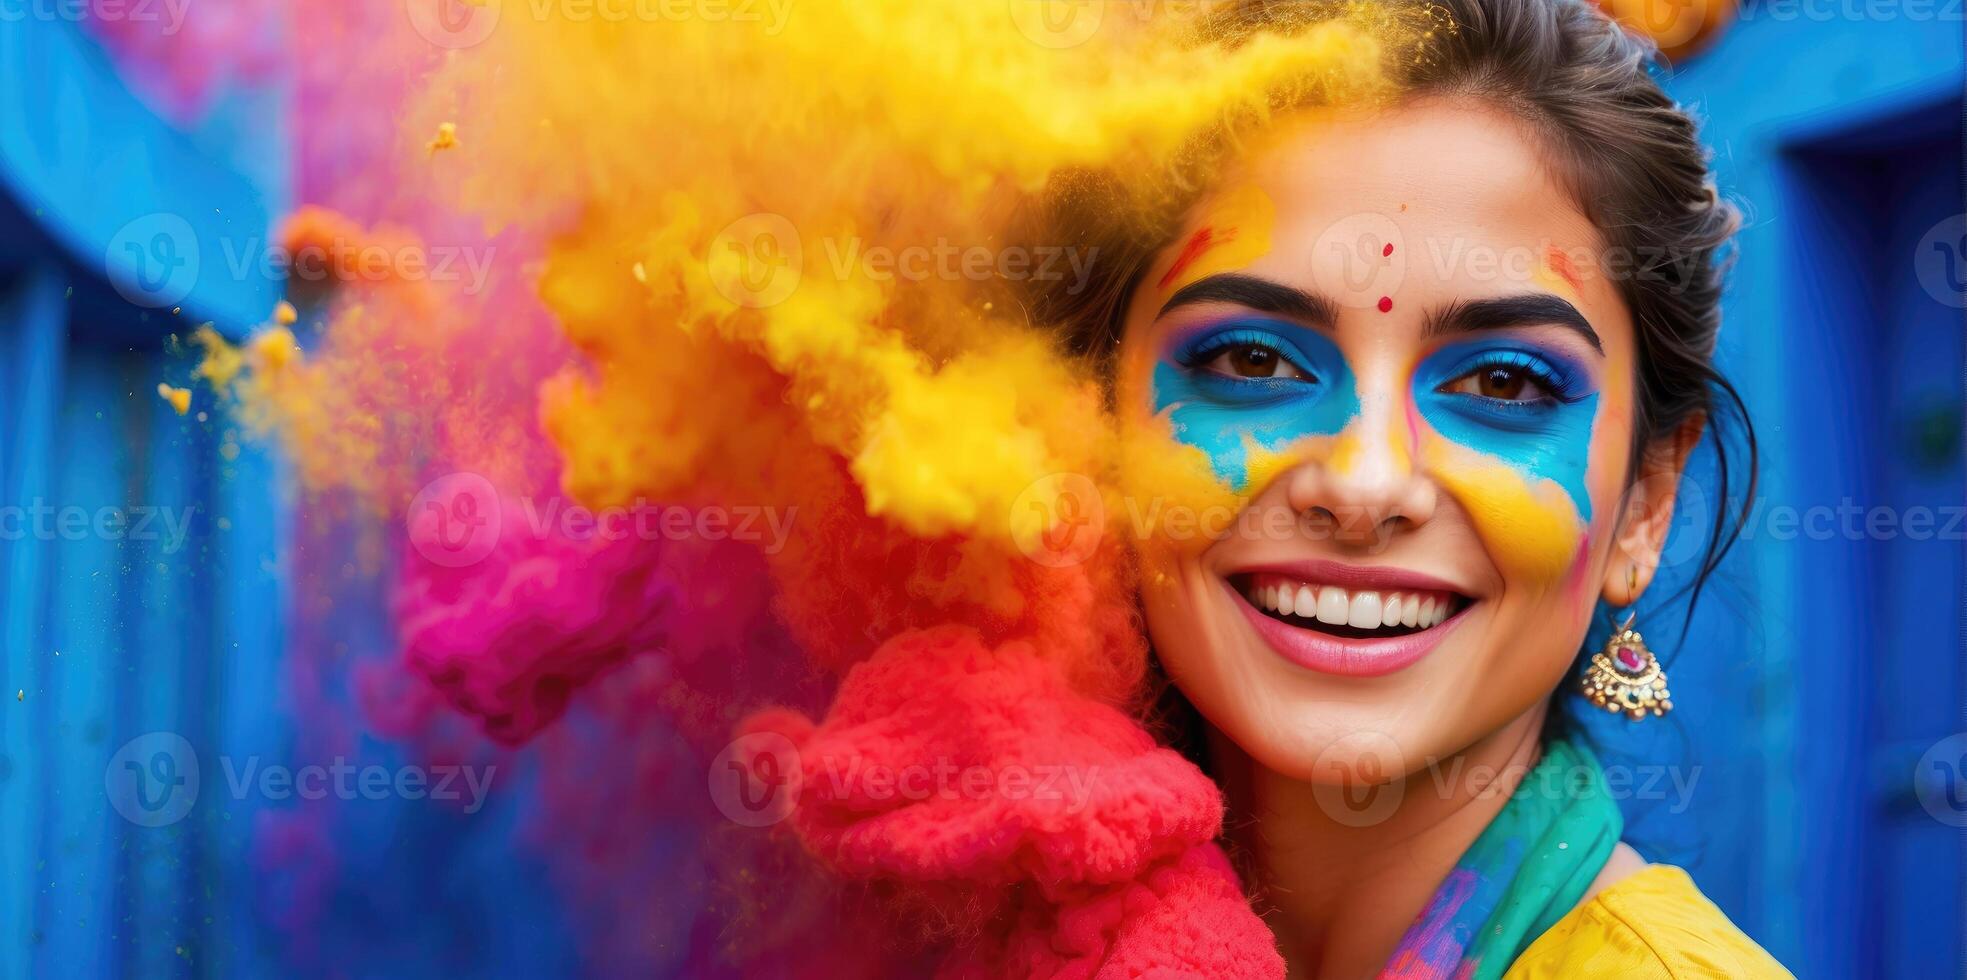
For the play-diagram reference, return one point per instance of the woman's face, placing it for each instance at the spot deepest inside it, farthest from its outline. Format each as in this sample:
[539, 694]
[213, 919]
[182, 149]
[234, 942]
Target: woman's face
[1389, 335]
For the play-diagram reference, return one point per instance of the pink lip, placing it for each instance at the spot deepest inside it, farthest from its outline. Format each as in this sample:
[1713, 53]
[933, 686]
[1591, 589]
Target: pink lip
[1352, 657]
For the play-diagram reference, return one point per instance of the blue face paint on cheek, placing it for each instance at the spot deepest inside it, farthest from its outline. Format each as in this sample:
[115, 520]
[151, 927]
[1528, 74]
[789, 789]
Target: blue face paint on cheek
[1544, 434]
[1223, 413]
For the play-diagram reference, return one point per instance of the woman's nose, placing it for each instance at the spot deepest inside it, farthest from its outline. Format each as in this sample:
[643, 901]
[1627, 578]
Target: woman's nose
[1369, 487]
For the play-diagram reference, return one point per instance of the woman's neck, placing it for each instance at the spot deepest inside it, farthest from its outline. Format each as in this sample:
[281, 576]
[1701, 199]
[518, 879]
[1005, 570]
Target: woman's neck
[1339, 896]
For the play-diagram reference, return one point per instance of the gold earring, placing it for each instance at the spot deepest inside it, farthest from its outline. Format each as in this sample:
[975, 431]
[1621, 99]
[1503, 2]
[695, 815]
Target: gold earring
[1625, 676]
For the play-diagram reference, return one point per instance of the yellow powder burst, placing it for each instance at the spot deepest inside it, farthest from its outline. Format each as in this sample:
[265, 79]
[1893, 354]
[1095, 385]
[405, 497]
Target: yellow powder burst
[310, 408]
[834, 201]
[179, 398]
[795, 265]
[221, 362]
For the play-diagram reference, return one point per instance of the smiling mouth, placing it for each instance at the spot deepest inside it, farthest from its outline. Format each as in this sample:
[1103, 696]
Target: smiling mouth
[1354, 614]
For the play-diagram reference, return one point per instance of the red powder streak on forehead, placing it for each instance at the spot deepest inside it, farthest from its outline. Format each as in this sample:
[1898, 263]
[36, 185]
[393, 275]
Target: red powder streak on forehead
[1200, 242]
[1561, 264]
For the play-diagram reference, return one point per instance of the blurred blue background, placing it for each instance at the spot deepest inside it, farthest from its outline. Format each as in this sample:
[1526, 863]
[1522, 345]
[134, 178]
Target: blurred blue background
[1819, 691]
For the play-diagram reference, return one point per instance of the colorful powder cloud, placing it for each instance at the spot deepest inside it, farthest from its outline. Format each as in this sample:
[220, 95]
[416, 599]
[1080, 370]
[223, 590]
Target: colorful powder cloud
[729, 270]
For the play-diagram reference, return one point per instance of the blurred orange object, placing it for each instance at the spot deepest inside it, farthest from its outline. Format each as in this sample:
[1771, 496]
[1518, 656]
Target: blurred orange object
[1680, 27]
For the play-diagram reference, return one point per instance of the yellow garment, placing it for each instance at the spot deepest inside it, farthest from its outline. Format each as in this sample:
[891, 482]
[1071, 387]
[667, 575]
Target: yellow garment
[1652, 923]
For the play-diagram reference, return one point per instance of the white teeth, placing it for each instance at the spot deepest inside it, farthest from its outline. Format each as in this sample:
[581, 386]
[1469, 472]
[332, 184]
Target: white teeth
[1332, 605]
[1365, 611]
[1390, 616]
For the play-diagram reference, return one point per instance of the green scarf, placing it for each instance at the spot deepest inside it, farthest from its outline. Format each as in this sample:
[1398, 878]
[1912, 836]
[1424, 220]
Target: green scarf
[1528, 869]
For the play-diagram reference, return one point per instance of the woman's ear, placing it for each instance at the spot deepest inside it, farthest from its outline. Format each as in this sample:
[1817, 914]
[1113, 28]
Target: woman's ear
[1648, 514]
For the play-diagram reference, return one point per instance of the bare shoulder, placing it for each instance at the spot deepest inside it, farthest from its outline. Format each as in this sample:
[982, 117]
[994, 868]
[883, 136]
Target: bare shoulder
[1644, 920]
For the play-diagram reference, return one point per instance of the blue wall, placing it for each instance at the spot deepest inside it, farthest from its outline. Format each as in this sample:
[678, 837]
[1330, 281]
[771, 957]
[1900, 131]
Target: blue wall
[138, 645]
[107, 634]
[1842, 136]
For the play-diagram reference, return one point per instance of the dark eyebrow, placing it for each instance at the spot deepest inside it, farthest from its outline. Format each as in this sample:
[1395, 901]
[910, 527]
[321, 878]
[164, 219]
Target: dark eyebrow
[1263, 295]
[1528, 310]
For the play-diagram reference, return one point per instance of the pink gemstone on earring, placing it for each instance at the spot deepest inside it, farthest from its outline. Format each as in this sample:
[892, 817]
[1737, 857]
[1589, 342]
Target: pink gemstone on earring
[1629, 660]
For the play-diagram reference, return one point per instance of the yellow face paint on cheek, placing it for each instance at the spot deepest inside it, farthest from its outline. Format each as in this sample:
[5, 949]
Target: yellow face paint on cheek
[1345, 451]
[1533, 530]
[1167, 489]
[1173, 501]
[1267, 465]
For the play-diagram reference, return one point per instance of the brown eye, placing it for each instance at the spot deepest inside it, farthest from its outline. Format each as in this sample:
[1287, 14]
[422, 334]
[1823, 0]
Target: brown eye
[1502, 383]
[1254, 361]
